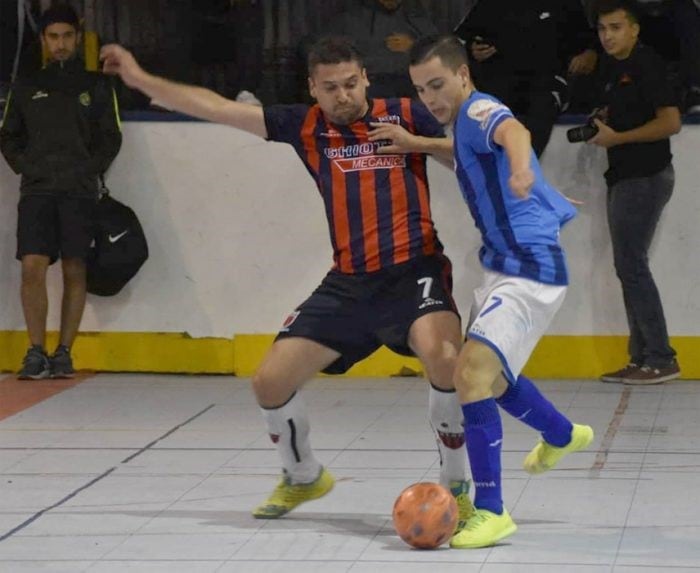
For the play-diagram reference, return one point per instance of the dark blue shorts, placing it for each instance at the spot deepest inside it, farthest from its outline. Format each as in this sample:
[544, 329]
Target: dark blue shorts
[356, 314]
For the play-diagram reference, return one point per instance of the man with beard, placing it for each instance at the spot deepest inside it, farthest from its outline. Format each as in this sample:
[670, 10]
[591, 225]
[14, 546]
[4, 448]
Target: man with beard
[61, 131]
[390, 283]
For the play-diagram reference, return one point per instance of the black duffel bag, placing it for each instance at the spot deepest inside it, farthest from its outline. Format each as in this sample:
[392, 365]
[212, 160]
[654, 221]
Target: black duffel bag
[119, 249]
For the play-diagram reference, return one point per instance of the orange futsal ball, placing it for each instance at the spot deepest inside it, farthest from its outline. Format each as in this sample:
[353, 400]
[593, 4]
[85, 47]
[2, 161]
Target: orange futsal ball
[425, 515]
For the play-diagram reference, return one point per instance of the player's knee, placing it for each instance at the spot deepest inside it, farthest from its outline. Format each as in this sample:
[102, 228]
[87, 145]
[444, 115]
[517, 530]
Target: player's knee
[33, 273]
[74, 272]
[471, 372]
[269, 390]
[469, 365]
[260, 384]
[440, 355]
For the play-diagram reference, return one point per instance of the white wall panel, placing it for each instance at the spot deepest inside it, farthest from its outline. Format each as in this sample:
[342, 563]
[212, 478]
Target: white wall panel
[238, 236]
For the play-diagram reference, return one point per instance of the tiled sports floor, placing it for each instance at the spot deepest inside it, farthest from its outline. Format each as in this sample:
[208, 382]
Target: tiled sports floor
[159, 473]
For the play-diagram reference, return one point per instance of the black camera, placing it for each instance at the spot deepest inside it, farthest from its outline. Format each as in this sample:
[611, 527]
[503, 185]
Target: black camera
[581, 132]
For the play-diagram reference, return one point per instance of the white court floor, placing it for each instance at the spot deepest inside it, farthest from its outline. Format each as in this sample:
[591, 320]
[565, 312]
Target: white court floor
[159, 473]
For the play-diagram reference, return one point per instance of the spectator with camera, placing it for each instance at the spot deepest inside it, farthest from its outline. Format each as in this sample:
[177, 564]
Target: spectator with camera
[639, 113]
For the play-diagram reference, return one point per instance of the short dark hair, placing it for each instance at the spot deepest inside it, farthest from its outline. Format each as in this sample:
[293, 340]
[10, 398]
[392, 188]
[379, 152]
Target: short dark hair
[60, 14]
[604, 7]
[448, 48]
[333, 50]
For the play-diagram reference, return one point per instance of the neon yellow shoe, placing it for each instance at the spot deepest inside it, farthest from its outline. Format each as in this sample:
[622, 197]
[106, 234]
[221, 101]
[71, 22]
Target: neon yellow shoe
[286, 496]
[465, 507]
[483, 528]
[545, 456]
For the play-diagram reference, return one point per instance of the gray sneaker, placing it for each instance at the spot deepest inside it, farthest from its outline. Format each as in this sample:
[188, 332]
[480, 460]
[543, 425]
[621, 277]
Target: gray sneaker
[62, 363]
[35, 365]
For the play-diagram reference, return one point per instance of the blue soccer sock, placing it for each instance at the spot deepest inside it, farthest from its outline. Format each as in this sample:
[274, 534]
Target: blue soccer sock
[483, 434]
[525, 402]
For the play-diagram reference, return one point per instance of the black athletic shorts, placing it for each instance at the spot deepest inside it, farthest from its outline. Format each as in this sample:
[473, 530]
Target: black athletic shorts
[356, 314]
[55, 226]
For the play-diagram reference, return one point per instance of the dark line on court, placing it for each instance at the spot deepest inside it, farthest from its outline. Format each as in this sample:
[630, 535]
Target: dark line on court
[175, 429]
[606, 444]
[37, 515]
[92, 482]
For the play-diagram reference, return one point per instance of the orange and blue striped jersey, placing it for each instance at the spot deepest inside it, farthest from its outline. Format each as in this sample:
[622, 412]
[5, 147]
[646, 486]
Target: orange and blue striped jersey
[377, 206]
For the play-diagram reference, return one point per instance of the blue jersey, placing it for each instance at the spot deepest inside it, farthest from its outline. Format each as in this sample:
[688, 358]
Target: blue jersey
[520, 236]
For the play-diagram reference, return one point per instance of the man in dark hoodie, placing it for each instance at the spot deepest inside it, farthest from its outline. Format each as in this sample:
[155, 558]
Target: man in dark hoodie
[523, 53]
[384, 31]
[60, 132]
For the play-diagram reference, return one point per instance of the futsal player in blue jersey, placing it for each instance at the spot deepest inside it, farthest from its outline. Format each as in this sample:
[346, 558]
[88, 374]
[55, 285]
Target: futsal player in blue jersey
[519, 216]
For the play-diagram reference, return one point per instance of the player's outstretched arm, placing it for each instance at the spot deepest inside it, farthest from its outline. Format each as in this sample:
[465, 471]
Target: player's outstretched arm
[191, 100]
[512, 136]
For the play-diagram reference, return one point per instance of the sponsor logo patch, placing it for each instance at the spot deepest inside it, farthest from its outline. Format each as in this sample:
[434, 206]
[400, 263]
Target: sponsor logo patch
[482, 110]
[114, 238]
[395, 119]
[430, 302]
[371, 162]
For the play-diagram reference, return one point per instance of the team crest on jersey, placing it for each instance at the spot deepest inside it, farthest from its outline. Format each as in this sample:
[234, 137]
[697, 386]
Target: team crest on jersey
[85, 99]
[482, 110]
[289, 321]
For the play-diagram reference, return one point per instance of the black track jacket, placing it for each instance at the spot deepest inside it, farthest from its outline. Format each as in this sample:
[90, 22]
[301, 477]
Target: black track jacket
[61, 129]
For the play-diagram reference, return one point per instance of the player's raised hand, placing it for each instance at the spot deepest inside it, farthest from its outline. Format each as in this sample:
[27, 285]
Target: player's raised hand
[521, 182]
[401, 141]
[119, 61]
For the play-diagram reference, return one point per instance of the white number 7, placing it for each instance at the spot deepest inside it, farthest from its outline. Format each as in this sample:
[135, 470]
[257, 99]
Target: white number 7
[427, 283]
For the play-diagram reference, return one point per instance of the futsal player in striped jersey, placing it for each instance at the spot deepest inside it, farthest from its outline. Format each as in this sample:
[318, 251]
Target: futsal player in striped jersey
[390, 282]
[519, 216]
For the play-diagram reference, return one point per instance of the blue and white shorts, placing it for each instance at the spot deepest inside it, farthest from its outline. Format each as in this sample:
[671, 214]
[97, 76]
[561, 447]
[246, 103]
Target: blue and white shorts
[510, 314]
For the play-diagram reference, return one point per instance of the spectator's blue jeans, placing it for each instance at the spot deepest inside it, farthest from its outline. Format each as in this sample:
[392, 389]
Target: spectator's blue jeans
[634, 208]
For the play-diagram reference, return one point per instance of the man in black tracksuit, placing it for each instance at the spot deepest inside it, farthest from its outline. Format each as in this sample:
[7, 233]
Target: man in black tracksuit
[60, 132]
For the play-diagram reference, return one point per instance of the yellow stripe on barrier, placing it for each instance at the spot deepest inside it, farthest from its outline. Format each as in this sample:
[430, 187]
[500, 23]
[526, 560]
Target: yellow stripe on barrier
[555, 356]
[132, 352]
